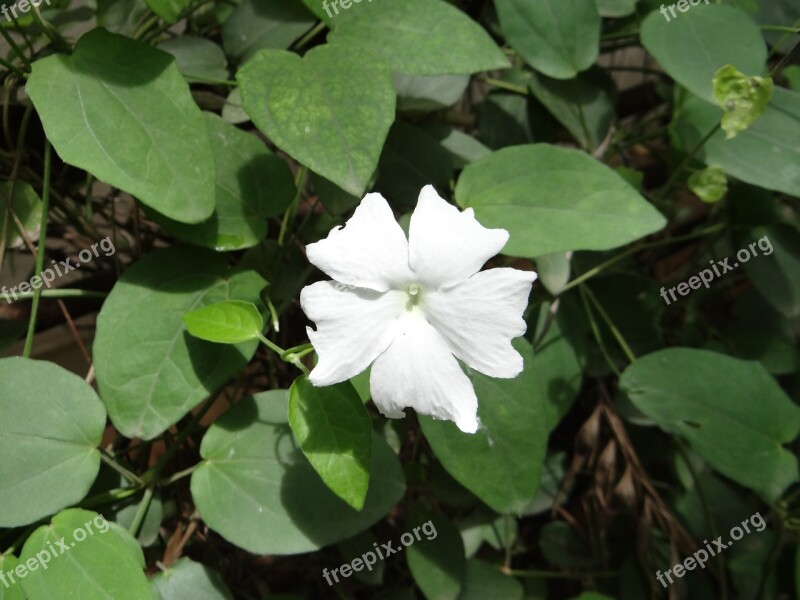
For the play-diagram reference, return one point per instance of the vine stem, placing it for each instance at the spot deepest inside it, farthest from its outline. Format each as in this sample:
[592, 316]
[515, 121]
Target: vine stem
[37, 293]
[614, 330]
[686, 159]
[65, 293]
[634, 249]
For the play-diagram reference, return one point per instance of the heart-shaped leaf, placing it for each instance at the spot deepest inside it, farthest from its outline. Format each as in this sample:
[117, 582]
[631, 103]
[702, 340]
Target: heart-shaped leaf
[81, 552]
[150, 371]
[52, 422]
[256, 489]
[330, 110]
[121, 110]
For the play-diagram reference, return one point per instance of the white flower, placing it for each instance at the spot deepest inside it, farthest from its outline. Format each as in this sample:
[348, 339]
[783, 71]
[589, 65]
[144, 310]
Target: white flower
[411, 307]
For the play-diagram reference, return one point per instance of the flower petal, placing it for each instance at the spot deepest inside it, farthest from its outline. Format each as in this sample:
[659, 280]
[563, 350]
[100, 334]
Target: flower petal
[480, 316]
[371, 251]
[418, 370]
[446, 245]
[353, 327]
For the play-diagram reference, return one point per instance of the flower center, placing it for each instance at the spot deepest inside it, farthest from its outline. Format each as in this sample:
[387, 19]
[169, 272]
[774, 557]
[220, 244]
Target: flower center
[414, 293]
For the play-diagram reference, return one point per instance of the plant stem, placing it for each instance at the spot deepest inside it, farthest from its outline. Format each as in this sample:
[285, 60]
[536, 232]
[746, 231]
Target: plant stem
[131, 477]
[288, 216]
[614, 331]
[287, 355]
[686, 159]
[634, 249]
[312, 33]
[511, 87]
[141, 511]
[26, 352]
[65, 293]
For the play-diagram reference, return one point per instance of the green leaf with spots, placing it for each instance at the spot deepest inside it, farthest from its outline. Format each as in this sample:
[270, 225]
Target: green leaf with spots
[335, 433]
[710, 184]
[330, 110]
[742, 98]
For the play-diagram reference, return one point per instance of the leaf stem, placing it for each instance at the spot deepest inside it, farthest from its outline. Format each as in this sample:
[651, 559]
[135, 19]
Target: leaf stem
[37, 293]
[130, 476]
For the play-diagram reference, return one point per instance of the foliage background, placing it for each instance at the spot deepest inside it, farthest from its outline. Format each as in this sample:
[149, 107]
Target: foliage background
[211, 141]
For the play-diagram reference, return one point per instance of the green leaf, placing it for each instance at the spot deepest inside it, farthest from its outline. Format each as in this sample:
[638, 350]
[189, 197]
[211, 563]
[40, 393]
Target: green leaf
[694, 46]
[731, 412]
[482, 580]
[710, 184]
[169, 10]
[462, 148]
[533, 193]
[775, 268]
[792, 75]
[229, 322]
[330, 110]
[52, 423]
[766, 154]
[255, 25]
[742, 98]
[411, 159]
[189, 579]
[428, 93]
[616, 8]
[121, 110]
[101, 560]
[560, 38]
[418, 37]
[584, 104]
[14, 590]
[196, 57]
[27, 206]
[257, 490]
[512, 415]
[150, 371]
[251, 185]
[554, 271]
[558, 372]
[335, 433]
[437, 564]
